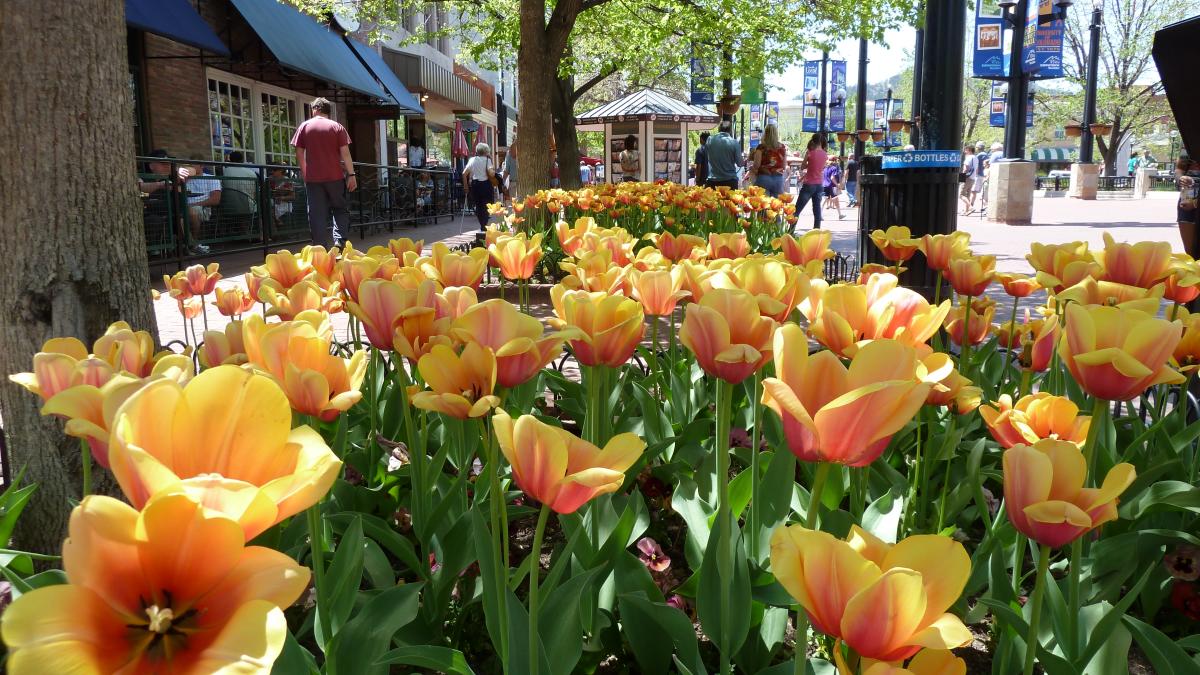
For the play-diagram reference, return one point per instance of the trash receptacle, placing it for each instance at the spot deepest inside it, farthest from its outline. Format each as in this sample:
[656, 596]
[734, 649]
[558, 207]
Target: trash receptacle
[915, 188]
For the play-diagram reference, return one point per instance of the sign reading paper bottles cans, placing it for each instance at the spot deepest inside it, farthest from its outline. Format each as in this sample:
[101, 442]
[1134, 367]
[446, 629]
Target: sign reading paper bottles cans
[1042, 52]
[837, 106]
[810, 122]
[988, 57]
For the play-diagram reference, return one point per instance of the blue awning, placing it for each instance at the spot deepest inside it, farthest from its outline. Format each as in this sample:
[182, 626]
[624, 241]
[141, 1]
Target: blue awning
[399, 93]
[174, 19]
[299, 42]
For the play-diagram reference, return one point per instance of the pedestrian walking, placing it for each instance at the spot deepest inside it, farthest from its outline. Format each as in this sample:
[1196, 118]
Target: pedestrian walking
[831, 180]
[813, 178]
[852, 180]
[724, 157]
[323, 152]
[479, 182]
[768, 161]
[700, 163]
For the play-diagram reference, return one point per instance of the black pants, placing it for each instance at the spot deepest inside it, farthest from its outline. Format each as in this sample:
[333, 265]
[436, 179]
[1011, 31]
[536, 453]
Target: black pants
[328, 216]
[712, 183]
[482, 195]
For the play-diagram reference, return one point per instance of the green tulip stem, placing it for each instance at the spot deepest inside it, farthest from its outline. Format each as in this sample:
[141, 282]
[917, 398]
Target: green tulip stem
[316, 541]
[756, 407]
[1026, 381]
[812, 520]
[652, 364]
[535, 571]
[497, 514]
[204, 313]
[1018, 561]
[964, 360]
[1012, 329]
[85, 463]
[1039, 590]
[724, 394]
[1099, 419]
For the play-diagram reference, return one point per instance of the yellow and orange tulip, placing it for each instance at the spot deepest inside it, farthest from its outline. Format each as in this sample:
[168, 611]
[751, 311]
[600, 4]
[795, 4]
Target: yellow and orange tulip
[1060, 266]
[980, 320]
[1018, 285]
[460, 384]
[229, 445]
[832, 413]
[732, 245]
[659, 291]
[1044, 494]
[728, 334]
[517, 339]
[570, 238]
[1035, 417]
[679, 247]
[812, 246]
[454, 269]
[516, 255]
[298, 355]
[842, 316]
[895, 243]
[971, 275]
[224, 347]
[196, 280]
[233, 301]
[559, 469]
[172, 589]
[1115, 353]
[844, 587]
[940, 249]
[305, 295]
[1143, 264]
[610, 326]
[285, 268]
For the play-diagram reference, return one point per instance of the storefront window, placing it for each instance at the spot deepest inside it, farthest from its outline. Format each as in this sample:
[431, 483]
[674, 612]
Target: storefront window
[252, 117]
[437, 147]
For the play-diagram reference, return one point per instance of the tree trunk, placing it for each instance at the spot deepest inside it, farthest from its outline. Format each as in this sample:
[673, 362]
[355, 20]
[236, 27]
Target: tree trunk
[71, 232]
[535, 75]
[565, 135]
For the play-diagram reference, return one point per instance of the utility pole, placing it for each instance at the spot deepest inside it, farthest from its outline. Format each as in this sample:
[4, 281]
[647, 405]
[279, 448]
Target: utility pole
[1018, 85]
[1089, 97]
[860, 107]
[918, 87]
[824, 95]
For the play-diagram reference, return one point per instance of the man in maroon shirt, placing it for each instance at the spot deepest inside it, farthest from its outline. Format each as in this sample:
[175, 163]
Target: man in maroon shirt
[323, 150]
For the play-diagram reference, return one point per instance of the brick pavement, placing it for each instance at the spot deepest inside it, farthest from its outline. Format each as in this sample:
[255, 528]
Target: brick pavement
[1056, 220]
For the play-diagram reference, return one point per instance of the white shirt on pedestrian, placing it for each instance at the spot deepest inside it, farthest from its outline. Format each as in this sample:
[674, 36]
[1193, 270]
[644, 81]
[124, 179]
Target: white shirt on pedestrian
[477, 167]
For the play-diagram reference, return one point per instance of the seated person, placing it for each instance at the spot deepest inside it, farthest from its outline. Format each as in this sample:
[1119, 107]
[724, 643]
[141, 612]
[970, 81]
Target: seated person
[283, 193]
[161, 166]
[424, 193]
[245, 178]
[203, 193]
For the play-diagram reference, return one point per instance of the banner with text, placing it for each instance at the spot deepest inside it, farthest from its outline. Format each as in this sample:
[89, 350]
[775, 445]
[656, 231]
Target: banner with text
[1042, 52]
[997, 114]
[881, 116]
[703, 84]
[988, 56]
[811, 122]
[837, 109]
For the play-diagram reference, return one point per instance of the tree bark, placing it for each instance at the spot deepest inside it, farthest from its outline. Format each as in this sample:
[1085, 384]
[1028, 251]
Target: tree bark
[562, 107]
[543, 44]
[71, 232]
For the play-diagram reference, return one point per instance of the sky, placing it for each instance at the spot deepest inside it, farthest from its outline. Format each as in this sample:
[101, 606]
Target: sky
[885, 60]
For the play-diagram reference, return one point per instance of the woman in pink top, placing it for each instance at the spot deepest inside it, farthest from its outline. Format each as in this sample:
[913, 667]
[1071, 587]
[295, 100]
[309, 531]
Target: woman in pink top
[813, 178]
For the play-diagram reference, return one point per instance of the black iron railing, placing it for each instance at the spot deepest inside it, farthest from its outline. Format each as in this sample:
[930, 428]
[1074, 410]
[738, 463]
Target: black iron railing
[264, 207]
[1114, 183]
[1052, 183]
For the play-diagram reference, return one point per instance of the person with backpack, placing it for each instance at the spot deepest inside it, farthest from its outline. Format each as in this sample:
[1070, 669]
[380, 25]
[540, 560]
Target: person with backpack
[972, 173]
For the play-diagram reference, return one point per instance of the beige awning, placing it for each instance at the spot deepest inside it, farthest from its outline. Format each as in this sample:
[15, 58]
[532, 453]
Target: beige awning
[423, 76]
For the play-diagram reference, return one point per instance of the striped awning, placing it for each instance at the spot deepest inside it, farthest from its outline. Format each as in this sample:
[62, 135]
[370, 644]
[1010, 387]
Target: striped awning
[1057, 155]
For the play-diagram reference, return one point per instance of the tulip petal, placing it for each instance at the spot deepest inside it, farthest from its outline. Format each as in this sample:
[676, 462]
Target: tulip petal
[944, 567]
[184, 549]
[100, 552]
[1055, 512]
[820, 572]
[248, 644]
[946, 632]
[64, 629]
[881, 617]
[302, 485]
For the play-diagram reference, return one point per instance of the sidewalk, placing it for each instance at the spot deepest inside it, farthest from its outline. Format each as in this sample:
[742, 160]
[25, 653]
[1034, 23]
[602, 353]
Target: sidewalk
[1056, 220]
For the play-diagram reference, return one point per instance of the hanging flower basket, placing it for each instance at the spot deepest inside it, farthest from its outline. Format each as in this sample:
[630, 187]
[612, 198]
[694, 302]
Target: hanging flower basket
[863, 134]
[843, 136]
[896, 124]
[1100, 129]
[877, 136]
[1073, 130]
[728, 105]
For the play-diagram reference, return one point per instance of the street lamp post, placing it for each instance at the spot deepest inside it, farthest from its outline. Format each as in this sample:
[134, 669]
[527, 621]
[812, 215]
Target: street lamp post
[1015, 12]
[824, 96]
[860, 108]
[1089, 97]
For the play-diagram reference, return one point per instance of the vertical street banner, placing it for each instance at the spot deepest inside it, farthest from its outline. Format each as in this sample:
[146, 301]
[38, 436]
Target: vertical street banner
[703, 83]
[996, 111]
[988, 59]
[879, 114]
[812, 97]
[897, 137]
[1042, 51]
[837, 110]
[762, 114]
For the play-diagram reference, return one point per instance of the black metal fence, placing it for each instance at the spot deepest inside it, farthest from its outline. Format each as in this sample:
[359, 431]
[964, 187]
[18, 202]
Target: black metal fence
[1114, 183]
[1052, 183]
[239, 207]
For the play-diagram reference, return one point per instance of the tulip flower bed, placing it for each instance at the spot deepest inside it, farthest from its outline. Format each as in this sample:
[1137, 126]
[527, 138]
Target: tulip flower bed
[752, 469]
